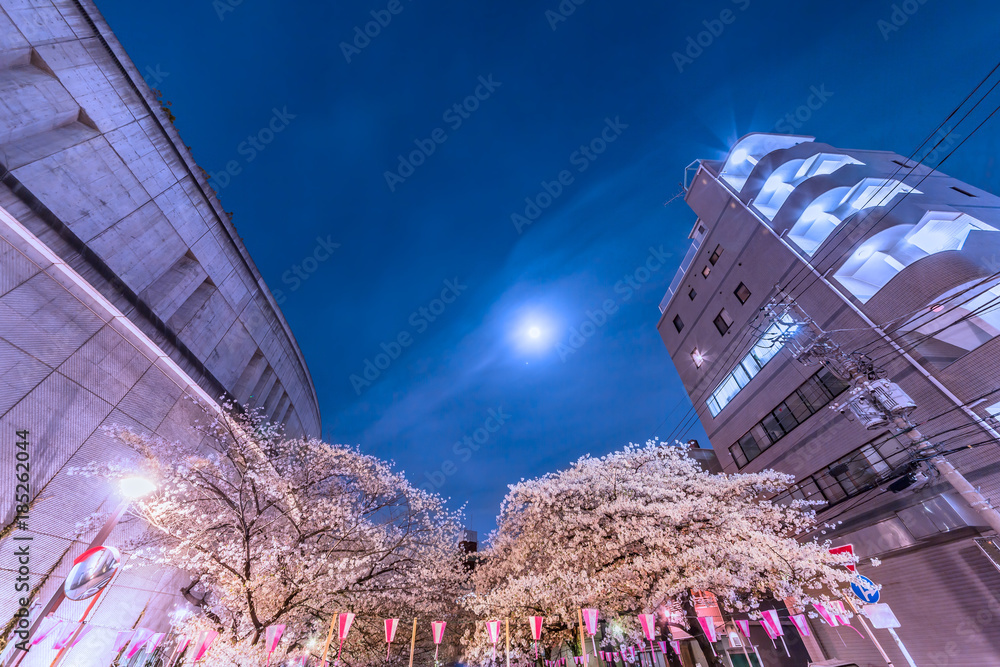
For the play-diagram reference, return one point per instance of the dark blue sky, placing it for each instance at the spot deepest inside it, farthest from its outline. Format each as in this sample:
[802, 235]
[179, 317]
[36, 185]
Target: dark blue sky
[227, 68]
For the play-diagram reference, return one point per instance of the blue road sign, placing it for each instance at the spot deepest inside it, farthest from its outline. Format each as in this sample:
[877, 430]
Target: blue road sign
[866, 589]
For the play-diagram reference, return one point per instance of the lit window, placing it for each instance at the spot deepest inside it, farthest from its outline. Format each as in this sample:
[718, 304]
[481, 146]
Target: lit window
[678, 323]
[723, 321]
[831, 208]
[742, 293]
[707, 270]
[697, 358]
[885, 254]
[763, 351]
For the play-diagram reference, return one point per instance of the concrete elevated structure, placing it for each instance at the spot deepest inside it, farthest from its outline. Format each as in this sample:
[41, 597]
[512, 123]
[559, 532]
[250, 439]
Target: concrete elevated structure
[126, 296]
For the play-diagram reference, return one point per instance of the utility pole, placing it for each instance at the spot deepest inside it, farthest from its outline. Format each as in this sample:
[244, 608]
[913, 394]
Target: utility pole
[874, 401]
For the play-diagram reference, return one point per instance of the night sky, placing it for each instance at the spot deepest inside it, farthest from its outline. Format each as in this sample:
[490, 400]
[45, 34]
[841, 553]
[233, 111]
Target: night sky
[537, 340]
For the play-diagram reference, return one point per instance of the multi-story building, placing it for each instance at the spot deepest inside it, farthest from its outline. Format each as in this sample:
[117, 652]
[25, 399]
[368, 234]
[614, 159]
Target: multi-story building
[896, 262]
[126, 296]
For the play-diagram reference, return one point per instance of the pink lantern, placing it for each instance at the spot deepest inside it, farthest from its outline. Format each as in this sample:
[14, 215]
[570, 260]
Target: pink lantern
[62, 634]
[205, 641]
[343, 627]
[493, 630]
[800, 623]
[676, 645]
[437, 629]
[769, 619]
[663, 647]
[139, 640]
[390, 633]
[121, 639]
[80, 635]
[744, 627]
[648, 623]
[272, 636]
[825, 614]
[590, 621]
[155, 641]
[536, 630]
[48, 624]
[707, 624]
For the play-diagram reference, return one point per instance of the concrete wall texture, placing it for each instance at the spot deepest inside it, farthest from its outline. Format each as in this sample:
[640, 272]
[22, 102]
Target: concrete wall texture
[789, 212]
[126, 297]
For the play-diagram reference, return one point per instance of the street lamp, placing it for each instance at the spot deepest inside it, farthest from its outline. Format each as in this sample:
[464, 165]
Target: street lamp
[131, 488]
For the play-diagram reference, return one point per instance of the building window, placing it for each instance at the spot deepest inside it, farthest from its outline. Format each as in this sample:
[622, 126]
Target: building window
[766, 348]
[678, 323]
[707, 270]
[742, 293]
[715, 255]
[851, 475]
[692, 294]
[723, 321]
[811, 397]
[697, 358]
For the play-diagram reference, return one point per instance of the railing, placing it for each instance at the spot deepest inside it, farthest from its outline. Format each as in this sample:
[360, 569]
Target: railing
[689, 173]
[679, 276]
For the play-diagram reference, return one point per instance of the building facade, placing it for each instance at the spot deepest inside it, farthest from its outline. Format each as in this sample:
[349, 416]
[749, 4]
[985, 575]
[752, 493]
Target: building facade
[126, 297]
[900, 265]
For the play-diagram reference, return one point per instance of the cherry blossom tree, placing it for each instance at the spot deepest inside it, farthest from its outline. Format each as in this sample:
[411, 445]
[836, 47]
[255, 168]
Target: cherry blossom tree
[278, 530]
[638, 529]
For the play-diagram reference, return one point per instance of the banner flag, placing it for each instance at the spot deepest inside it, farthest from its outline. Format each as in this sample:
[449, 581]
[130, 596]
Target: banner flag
[206, 640]
[390, 633]
[437, 629]
[48, 624]
[83, 633]
[707, 624]
[138, 641]
[61, 635]
[121, 639]
[830, 619]
[770, 619]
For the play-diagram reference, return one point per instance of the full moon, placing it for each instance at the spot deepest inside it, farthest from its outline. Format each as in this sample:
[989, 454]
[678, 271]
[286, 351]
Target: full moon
[534, 332]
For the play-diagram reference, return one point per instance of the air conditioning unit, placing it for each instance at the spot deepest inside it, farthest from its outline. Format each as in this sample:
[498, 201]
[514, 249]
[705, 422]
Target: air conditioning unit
[870, 415]
[891, 397]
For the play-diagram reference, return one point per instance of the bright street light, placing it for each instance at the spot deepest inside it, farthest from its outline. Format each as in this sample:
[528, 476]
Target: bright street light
[137, 487]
